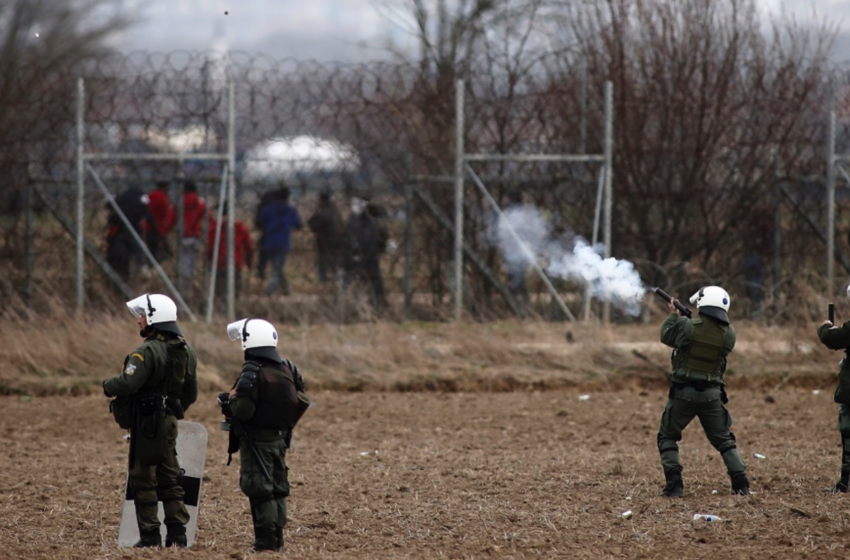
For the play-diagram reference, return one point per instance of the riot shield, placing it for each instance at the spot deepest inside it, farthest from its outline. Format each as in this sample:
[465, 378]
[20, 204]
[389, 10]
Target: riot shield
[191, 454]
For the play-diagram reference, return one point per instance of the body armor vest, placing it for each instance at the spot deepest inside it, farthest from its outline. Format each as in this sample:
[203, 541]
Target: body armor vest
[702, 360]
[277, 405]
[170, 382]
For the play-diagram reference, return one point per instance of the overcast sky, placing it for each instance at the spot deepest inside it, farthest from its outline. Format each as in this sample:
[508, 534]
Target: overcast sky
[345, 30]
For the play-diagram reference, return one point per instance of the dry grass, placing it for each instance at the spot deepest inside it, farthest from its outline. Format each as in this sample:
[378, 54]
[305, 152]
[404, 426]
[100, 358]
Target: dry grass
[65, 355]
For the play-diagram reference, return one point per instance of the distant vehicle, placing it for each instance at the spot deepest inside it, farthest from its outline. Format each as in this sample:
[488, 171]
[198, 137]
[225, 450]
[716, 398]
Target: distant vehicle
[299, 160]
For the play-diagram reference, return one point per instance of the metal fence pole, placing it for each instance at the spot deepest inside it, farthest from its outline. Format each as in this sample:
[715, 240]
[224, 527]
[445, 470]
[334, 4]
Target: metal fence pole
[459, 161]
[600, 191]
[830, 200]
[81, 181]
[777, 237]
[28, 232]
[178, 250]
[408, 249]
[231, 200]
[609, 173]
[583, 122]
[225, 174]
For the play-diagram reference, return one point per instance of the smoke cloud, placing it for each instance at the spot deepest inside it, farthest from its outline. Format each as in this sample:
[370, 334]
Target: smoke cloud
[608, 279]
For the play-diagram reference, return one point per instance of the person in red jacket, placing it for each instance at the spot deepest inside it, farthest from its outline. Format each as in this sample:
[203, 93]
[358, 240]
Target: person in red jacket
[161, 213]
[193, 217]
[243, 253]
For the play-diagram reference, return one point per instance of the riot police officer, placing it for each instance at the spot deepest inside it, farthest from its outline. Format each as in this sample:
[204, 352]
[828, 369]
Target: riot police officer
[263, 407]
[156, 387]
[700, 348]
[838, 338]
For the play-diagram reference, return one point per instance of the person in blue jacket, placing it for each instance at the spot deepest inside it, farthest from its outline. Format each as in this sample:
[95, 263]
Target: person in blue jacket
[277, 219]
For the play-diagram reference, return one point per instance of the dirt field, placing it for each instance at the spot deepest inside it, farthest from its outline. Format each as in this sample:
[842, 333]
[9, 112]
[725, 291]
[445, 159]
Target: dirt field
[463, 475]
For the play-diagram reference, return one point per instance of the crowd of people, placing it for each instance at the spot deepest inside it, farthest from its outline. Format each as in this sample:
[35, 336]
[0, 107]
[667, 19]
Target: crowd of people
[348, 251]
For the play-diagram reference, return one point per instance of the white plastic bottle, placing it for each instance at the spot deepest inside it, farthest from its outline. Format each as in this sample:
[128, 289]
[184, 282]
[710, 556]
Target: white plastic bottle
[707, 517]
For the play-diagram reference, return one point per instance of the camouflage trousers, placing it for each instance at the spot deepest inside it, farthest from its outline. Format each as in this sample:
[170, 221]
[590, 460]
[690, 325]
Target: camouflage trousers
[683, 406]
[158, 483]
[267, 497]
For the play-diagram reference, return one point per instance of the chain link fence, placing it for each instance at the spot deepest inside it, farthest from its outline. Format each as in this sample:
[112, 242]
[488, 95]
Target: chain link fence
[378, 131]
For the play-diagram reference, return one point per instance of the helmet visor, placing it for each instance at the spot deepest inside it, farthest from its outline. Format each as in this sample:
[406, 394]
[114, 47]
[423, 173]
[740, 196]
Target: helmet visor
[696, 297]
[138, 306]
[236, 330]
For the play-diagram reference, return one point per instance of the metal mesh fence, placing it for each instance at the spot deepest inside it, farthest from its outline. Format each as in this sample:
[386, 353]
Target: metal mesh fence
[382, 131]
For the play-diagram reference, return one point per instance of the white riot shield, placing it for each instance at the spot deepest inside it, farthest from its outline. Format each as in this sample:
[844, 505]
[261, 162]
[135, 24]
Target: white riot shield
[191, 454]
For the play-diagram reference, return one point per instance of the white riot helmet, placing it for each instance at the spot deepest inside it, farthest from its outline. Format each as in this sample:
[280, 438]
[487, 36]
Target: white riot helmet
[160, 311]
[712, 301]
[259, 338]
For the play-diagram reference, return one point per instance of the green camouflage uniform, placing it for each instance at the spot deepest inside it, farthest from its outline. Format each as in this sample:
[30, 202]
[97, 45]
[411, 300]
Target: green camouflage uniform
[266, 497]
[838, 338]
[696, 393]
[143, 374]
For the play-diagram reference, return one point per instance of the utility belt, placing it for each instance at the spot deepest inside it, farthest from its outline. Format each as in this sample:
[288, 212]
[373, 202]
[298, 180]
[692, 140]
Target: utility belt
[150, 405]
[266, 432]
[698, 386]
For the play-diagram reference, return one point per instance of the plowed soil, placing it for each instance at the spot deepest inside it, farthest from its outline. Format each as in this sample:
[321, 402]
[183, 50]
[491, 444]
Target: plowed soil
[463, 475]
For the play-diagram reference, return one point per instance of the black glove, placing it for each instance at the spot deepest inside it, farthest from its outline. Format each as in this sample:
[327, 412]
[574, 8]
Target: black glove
[105, 392]
[224, 402]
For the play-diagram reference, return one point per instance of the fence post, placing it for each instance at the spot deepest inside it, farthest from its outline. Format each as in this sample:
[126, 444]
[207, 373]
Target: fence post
[609, 172]
[408, 249]
[231, 200]
[459, 149]
[28, 232]
[830, 200]
[81, 178]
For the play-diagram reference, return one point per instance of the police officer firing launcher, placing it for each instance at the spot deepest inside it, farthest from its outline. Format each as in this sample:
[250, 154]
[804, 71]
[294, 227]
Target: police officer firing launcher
[262, 409]
[700, 347]
[838, 338]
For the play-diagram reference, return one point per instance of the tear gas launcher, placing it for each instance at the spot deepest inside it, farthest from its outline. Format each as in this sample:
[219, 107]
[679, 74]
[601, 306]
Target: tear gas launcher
[669, 299]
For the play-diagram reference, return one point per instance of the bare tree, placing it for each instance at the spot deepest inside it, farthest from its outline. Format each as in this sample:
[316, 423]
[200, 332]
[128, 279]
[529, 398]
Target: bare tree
[43, 44]
[705, 101]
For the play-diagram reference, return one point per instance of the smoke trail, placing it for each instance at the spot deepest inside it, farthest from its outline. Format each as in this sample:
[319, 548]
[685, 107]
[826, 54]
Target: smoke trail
[610, 279]
[531, 229]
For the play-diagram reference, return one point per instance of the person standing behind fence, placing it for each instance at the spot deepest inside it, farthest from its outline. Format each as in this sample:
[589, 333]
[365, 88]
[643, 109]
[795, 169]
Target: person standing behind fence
[366, 240]
[121, 247]
[277, 220]
[263, 257]
[242, 255]
[326, 225]
[193, 217]
[161, 213]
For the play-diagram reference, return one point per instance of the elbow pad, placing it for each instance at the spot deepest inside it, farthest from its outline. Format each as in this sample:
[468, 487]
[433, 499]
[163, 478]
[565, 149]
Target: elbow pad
[247, 380]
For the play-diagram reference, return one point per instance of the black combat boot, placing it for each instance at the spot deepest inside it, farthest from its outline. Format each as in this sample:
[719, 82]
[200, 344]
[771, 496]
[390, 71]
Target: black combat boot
[264, 540]
[842, 485]
[176, 536]
[741, 485]
[278, 536]
[149, 539]
[674, 488]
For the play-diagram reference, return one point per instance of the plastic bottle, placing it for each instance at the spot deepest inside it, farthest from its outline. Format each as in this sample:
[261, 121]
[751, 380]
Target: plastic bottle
[707, 517]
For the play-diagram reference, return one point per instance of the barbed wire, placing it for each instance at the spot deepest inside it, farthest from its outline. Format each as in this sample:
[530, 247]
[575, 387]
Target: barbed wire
[394, 121]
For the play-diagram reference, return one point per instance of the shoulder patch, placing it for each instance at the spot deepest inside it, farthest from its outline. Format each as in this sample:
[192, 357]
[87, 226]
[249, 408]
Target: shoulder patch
[142, 358]
[130, 369]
